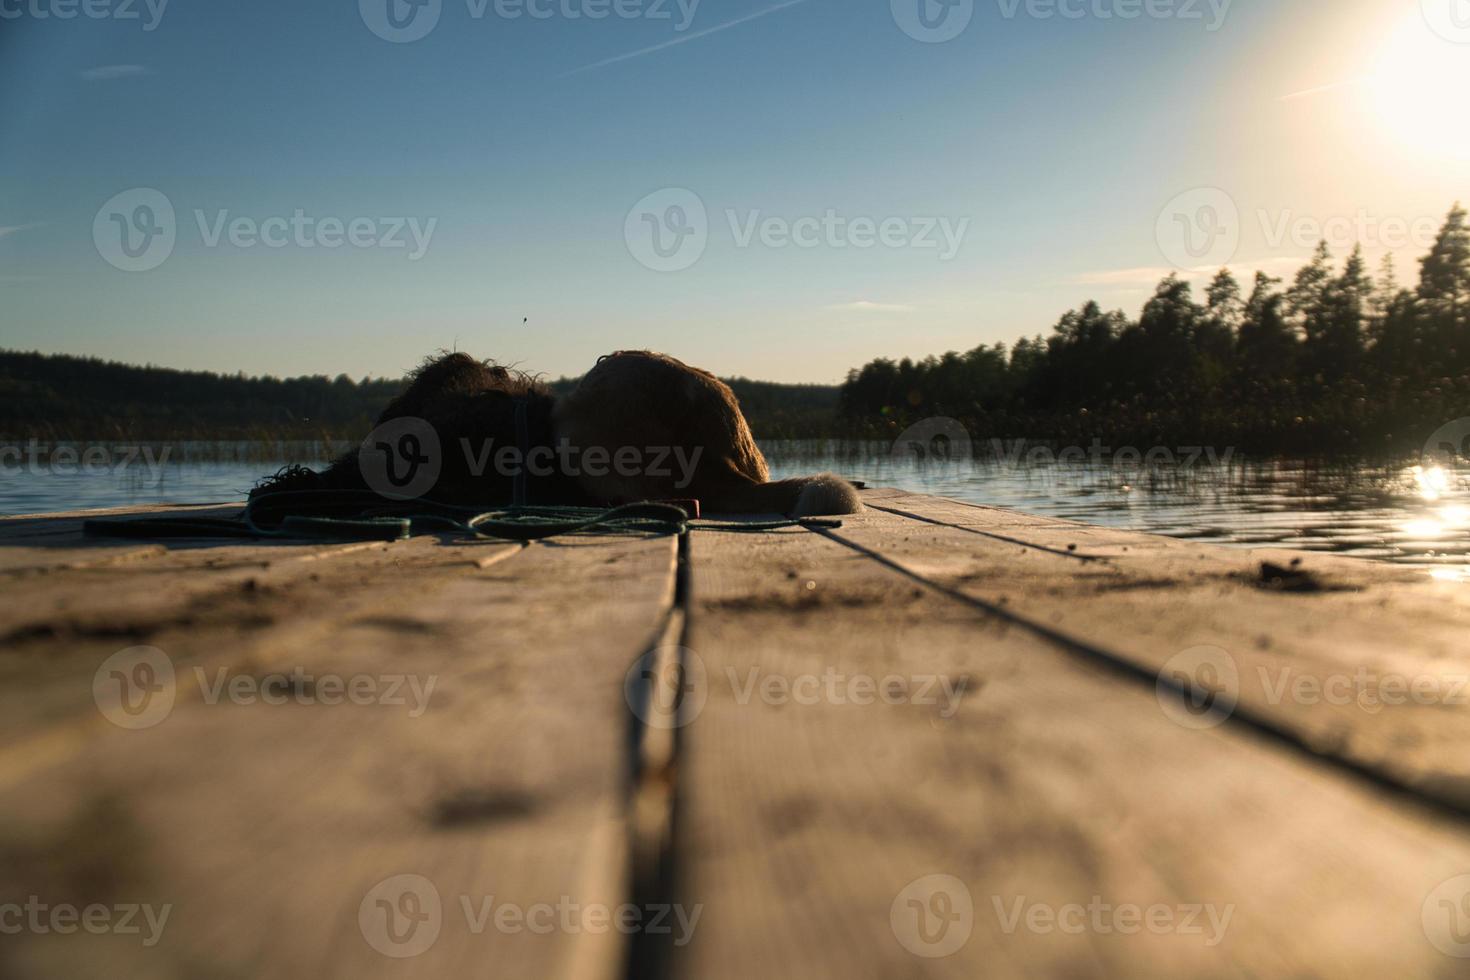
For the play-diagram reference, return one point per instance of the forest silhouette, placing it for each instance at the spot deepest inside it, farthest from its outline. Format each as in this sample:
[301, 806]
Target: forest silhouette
[1337, 361]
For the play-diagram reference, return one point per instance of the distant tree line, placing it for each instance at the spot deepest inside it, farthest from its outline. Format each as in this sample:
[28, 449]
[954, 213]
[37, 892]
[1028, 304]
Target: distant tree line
[1339, 360]
[54, 397]
[57, 396]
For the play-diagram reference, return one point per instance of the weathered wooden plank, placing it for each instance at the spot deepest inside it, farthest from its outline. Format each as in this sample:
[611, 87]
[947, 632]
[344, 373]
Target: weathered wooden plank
[60, 625]
[268, 827]
[37, 543]
[1354, 659]
[226, 616]
[1053, 781]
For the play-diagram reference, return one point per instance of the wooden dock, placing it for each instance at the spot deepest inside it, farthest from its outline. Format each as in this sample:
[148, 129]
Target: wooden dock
[942, 740]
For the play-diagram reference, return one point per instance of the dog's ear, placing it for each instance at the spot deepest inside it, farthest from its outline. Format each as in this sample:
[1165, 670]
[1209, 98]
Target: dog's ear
[288, 478]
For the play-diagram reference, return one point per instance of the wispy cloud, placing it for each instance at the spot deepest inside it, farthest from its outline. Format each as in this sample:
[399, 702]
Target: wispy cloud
[106, 73]
[1307, 93]
[868, 306]
[684, 39]
[8, 230]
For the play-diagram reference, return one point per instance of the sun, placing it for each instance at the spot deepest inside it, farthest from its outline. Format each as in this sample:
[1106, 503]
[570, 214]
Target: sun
[1417, 88]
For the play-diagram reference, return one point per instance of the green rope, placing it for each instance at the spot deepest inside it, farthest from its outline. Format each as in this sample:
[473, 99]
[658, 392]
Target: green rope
[364, 516]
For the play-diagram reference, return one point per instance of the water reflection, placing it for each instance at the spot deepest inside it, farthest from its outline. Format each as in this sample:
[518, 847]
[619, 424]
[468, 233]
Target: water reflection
[1395, 512]
[1402, 513]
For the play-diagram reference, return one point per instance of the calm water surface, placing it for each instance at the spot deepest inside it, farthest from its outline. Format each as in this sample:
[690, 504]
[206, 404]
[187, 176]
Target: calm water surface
[1399, 513]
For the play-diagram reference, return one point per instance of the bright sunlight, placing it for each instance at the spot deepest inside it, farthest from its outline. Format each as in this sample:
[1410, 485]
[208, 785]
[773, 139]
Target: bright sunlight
[1417, 90]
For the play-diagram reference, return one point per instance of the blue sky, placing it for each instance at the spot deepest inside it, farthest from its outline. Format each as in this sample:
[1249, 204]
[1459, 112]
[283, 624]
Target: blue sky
[1048, 145]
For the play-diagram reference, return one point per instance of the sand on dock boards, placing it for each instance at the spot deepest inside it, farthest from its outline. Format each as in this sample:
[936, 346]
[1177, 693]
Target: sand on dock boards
[940, 740]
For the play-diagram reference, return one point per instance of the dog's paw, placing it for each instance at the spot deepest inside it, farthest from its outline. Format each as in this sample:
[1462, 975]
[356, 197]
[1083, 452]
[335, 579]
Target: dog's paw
[824, 495]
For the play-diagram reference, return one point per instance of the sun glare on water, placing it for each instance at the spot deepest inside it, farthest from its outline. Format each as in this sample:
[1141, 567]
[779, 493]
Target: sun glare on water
[1432, 483]
[1418, 86]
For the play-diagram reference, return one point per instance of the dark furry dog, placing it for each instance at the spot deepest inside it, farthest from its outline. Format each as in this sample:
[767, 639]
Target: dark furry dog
[640, 426]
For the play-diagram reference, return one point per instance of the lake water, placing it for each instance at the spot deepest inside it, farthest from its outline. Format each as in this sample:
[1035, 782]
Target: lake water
[1401, 513]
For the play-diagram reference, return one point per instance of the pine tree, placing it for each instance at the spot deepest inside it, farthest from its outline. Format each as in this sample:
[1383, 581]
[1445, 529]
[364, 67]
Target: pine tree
[1334, 343]
[1307, 296]
[1266, 344]
[1224, 311]
[1444, 278]
[1387, 288]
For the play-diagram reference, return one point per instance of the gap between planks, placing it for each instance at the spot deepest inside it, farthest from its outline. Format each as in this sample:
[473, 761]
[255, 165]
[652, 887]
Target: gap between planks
[1450, 800]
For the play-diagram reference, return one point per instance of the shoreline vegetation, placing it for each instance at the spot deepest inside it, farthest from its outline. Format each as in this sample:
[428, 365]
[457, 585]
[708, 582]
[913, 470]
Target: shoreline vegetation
[61, 398]
[1339, 362]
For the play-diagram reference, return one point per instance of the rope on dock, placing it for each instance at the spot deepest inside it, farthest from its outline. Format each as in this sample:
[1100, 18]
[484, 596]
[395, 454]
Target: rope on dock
[359, 515]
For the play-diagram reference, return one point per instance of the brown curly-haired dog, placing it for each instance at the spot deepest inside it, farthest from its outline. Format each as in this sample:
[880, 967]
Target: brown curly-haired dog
[639, 426]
